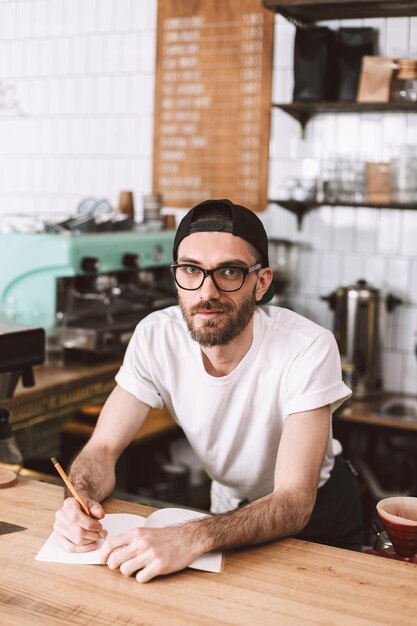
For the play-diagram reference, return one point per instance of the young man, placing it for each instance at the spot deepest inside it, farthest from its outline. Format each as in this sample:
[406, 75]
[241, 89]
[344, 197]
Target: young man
[253, 389]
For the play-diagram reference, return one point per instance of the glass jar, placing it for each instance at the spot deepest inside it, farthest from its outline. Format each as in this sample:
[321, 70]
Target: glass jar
[404, 82]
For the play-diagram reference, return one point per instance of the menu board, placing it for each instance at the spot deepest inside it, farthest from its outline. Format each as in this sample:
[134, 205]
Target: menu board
[212, 101]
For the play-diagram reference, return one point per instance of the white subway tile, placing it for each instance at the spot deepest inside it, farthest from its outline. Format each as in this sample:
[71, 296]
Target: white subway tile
[324, 230]
[307, 272]
[151, 14]
[397, 276]
[284, 46]
[39, 18]
[79, 54]
[413, 37]
[398, 37]
[329, 272]
[23, 19]
[32, 58]
[409, 382]
[375, 270]
[72, 17]
[57, 17]
[404, 325]
[102, 94]
[392, 365]
[86, 95]
[388, 231]
[8, 29]
[147, 57]
[130, 52]
[111, 54]
[412, 292]
[343, 224]
[87, 15]
[347, 134]
[122, 15]
[371, 138]
[409, 233]
[352, 269]
[365, 230]
[105, 15]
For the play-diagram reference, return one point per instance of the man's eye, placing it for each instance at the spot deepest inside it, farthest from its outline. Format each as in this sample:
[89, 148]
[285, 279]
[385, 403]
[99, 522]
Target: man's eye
[190, 269]
[231, 272]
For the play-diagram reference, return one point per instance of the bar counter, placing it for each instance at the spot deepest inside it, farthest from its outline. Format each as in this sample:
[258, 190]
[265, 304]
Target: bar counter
[287, 582]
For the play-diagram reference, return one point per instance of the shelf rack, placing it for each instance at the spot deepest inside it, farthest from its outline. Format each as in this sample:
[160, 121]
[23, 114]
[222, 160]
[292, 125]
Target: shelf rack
[303, 110]
[301, 207]
[306, 12]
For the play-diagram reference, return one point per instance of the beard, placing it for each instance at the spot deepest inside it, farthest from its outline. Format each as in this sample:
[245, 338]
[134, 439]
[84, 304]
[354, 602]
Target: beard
[212, 332]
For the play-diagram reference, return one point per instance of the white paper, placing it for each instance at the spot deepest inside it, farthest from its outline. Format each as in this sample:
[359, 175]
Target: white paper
[118, 523]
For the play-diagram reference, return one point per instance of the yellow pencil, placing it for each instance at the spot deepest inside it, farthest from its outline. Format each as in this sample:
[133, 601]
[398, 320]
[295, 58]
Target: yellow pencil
[70, 486]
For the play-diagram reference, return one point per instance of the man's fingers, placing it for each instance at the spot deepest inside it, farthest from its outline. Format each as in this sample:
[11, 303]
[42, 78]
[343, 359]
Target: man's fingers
[150, 571]
[119, 541]
[69, 546]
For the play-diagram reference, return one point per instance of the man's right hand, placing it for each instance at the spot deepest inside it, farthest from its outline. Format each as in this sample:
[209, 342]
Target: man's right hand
[74, 530]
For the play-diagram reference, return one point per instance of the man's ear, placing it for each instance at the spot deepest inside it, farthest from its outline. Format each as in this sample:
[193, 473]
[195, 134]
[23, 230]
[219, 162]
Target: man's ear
[264, 281]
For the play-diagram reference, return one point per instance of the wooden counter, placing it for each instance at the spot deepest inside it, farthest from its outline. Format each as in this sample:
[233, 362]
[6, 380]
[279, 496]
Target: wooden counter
[362, 412]
[59, 390]
[288, 582]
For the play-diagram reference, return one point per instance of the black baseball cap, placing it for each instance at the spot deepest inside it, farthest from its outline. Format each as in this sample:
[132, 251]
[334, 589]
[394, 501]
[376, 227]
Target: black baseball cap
[243, 223]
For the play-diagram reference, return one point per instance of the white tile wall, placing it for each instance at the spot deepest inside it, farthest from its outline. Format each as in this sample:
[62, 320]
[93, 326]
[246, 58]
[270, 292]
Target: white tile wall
[79, 121]
[82, 72]
[348, 244]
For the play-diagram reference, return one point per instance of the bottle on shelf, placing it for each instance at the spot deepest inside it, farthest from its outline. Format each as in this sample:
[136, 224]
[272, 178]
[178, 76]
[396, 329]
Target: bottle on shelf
[404, 82]
[10, 455]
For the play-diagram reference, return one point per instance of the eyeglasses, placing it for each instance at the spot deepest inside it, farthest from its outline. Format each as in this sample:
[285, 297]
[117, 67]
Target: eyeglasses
[230, 278]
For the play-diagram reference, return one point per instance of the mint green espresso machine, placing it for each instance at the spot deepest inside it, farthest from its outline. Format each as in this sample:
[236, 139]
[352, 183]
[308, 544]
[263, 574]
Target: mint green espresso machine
[91, 288]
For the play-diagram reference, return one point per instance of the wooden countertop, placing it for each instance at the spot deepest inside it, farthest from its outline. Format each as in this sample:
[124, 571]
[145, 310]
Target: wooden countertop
[60, 390]
[288, 582]
[63, 378]
[361, 412]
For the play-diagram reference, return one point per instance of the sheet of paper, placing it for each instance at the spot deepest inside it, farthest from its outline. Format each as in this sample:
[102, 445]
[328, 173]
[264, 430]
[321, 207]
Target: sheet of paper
[117, 523]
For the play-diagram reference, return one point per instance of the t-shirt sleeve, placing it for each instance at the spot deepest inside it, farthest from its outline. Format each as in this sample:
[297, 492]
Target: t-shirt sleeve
[135, 373]
[314, 378]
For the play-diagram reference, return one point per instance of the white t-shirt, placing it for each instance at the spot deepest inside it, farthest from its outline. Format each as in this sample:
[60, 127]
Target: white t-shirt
[234, 422]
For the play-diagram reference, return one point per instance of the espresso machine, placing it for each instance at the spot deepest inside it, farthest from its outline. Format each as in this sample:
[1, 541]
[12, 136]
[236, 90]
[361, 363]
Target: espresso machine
[89, 289]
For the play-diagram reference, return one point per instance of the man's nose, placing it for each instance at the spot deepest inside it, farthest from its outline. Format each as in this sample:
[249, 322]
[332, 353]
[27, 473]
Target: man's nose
[208, 289]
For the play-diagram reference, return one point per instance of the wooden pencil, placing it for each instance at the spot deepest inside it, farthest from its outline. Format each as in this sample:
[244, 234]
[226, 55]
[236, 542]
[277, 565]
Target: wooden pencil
[70, 486]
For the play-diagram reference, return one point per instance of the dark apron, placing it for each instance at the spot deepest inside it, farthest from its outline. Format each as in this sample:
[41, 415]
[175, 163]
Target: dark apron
[337, 515]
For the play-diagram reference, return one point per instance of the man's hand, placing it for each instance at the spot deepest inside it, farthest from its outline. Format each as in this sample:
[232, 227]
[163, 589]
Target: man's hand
[150, 551]
[74, 530]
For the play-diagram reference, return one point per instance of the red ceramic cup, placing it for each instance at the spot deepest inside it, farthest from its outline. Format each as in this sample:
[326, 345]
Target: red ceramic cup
[399, 516]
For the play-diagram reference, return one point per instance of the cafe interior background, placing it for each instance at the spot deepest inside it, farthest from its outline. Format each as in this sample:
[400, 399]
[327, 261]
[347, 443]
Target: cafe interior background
[77, 81]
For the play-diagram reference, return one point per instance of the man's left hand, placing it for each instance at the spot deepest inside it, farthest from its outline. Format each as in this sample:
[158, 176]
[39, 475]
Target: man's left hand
[150, 551]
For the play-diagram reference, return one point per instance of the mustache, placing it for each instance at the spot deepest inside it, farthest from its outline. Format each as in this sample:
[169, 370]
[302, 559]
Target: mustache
[210, 305]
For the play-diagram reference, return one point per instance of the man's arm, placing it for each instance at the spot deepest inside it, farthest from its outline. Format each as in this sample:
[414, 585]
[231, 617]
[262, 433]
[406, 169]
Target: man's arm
[93, 470]
[283, 512]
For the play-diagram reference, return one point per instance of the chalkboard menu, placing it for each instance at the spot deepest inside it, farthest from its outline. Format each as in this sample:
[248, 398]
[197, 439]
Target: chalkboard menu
[212, 101]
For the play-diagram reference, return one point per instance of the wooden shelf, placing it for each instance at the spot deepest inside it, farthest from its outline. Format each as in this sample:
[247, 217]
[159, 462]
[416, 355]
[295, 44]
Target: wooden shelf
[304, 12]
[301, 208]
[302, 111]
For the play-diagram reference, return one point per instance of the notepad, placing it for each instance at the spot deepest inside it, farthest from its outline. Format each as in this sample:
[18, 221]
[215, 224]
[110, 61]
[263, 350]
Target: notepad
[117, 523]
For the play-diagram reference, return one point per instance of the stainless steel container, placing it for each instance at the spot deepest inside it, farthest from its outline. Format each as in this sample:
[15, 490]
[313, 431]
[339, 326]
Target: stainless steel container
[359, 310]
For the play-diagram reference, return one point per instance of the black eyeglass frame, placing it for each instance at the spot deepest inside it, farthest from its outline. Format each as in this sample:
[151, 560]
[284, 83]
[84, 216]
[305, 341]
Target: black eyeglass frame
[245, 271]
